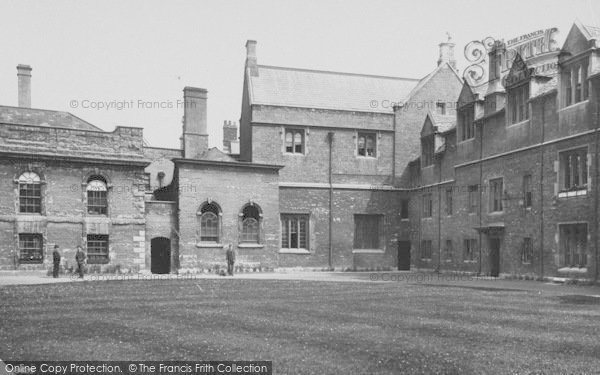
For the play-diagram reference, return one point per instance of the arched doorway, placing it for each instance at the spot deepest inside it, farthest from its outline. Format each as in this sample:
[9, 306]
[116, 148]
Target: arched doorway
[160, 255]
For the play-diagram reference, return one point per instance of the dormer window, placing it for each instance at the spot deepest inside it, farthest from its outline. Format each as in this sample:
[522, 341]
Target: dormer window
[518, 108]
[466, 123]
[575, 84]
[427, 146]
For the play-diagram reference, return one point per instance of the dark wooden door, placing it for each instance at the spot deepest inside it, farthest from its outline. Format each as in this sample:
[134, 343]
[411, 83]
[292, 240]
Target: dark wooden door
[160, 255]
[494, 256]
[404, 255]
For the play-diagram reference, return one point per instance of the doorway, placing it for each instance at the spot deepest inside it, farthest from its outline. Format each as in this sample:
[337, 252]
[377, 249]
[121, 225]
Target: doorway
[160, 255]
[404, 255]
[494, 256]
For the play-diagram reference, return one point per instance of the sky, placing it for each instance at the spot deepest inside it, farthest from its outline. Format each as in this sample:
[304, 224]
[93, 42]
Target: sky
[139, 55]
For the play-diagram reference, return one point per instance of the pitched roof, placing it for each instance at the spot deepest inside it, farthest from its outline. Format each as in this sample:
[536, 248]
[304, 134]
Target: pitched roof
[43, 117]
[290, 87]
[423, 81]
[214, 154]
[590, 32]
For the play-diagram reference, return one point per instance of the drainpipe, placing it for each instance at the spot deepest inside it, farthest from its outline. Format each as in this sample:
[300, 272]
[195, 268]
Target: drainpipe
[542, 190]
[439, 267]
[480, 192]
[597, 102]
[330, 141]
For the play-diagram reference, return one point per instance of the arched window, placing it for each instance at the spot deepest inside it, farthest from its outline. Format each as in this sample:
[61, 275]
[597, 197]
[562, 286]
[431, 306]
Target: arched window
[30, 193]
[97, 197]
[250, 224]
[209, 223]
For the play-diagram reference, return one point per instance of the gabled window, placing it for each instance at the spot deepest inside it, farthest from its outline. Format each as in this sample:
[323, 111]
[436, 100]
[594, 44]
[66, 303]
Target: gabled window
[466, 123]
[294, 231]
[449, 201]
[527, 251]
[527, 191]
[427, 145]
[31, 249]
[469, 250]
[517, 103]
[367, 144]
[427, 205]
[294, 141]
[573, 169]
[573, 245]
[473, 198]
[30, 193]
[426, 250]
[575, 83]
[496, 191]
[97, 249]
[367, 231]
[210, 223]
[250, 224]
[97, 202]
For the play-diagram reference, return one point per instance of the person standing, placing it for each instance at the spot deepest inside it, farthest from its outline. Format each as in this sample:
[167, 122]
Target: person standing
[230, 256]
[80, 259]
[55, 261]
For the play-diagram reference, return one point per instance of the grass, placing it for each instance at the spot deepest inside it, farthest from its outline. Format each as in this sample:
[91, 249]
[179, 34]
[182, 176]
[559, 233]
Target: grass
[304, 327]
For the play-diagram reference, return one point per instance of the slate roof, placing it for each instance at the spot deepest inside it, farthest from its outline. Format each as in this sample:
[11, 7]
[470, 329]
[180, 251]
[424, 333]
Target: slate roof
[443, 123]
[291, 87]
[43, 117]
[214, 154]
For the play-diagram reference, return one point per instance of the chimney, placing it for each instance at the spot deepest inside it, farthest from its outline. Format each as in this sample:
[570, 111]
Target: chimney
[24, 77]
[251, 57]
[195, 135]
[229, 135]
[447, 53]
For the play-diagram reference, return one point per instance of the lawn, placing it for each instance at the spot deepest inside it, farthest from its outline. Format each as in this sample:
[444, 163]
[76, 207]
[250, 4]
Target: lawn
[305, 327]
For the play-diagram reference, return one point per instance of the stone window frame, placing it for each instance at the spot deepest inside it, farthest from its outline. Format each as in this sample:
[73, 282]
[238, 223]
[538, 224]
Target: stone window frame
[466, 123]
[219, 217]
[22, 238]
[404, 209]
[427, 150]
[43, 188]
[283, 217]
[517, 108]
[427, 205]
[294, 131]
[469, 247]
[380, 235]
[583, 253]
[449, 250]
[101, 246]
[472, 198]
[527, 191]
[426, 250]
[496, 196]
[575, 85]
[261, 238]
[527, 250]
[449, 199]
[86, 179]
[576, 190]
[374, 135]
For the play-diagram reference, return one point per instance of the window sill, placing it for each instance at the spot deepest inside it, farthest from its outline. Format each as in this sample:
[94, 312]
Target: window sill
[293, 251]
[368, 251]
[495, 213]
[523, 122]
[293, 153]
[209, 244]
[574, 105]
[427, 218]
[572, 193]
[465, 141]
[572, 270]
[470, 261]
[250, 246]
[366, 157]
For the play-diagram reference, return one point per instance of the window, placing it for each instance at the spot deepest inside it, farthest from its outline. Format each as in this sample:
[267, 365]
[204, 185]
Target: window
[440, 108]
[250, 224]
[427, 205]
[448, 251]
[496, 190]
[31, 248]
[427, 146]
[97, 196]
[367, 231]
[527, 191]
[404, 209]
[449, 201]
[30, 193]
[573, 245]
[573, 167]
[97, 249]
[294, 141]
[469, 250]
[210, 223]
[367, 144]
[426, 250]
[466, 123]
[527, 251]
[575, 83]
[473, 197]
[517, 103]
[294, 231]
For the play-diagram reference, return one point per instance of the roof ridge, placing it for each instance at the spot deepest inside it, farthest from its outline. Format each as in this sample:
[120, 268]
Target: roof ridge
[334, 72]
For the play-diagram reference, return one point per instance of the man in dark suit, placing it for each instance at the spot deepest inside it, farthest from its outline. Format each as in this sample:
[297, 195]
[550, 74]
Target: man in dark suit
[80, 258]
[230, 256]
[55, 261]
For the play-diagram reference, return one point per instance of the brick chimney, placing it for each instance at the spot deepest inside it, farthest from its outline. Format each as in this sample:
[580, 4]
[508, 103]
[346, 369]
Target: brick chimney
[447, 53]
[251, 57]
[24, 77]
[195, 135]
[229, 134]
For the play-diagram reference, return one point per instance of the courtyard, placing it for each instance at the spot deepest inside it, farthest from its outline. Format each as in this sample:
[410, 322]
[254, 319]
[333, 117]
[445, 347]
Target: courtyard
[311, 323]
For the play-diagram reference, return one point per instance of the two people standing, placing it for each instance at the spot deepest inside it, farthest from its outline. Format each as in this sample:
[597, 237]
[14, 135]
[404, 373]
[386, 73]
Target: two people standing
[79, 258]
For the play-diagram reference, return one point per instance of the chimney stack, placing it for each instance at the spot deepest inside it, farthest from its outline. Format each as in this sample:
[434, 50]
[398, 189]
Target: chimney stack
[251, 57]
[447, 53]
[24, 77]
[195, 135]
